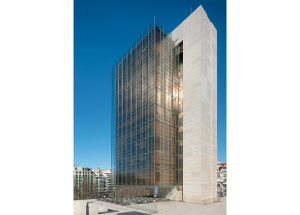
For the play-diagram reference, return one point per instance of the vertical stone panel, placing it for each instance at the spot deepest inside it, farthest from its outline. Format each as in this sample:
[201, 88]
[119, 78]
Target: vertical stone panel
[199, 106]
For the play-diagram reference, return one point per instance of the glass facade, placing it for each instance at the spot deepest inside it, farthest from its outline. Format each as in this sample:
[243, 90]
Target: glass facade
[147, 117]
[178, 88]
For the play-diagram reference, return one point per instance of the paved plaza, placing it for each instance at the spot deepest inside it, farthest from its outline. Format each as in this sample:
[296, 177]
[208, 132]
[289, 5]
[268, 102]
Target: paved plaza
[160, 208]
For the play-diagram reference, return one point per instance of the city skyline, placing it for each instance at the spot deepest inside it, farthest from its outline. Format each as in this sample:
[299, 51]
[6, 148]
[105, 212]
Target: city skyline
[97, 45]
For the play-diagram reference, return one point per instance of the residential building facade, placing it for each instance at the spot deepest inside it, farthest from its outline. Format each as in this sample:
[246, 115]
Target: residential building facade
[222, 179]
[103, 181]
[83, 182]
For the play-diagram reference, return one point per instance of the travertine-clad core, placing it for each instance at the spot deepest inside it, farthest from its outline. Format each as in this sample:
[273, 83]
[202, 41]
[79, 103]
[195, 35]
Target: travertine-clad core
[199, 38]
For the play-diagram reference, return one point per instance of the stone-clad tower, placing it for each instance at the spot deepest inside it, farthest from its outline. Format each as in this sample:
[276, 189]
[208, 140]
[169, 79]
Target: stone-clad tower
[199, 38]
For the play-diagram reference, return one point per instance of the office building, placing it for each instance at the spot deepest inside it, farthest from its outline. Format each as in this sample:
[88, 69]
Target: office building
[165, 113]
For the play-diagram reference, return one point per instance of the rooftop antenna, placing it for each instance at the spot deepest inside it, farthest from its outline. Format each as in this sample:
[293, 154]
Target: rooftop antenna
[191, 9]
[154, 21]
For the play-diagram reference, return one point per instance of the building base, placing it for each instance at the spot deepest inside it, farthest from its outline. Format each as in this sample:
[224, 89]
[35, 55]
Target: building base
[142, 190]
[200, 200]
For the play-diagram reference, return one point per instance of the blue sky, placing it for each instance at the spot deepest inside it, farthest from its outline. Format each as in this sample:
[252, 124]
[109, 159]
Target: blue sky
[103, 31]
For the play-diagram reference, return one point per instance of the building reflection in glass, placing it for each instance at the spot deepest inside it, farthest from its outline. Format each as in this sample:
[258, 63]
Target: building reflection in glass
[147, 118]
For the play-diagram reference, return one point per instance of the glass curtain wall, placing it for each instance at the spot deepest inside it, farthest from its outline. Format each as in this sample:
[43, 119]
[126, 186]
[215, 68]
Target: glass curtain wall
[165, 127]
[178, 88]
[146, 113]
[134, 102]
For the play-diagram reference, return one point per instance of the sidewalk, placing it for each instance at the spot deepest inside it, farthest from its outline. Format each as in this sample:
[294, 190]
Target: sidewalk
[159, 208]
